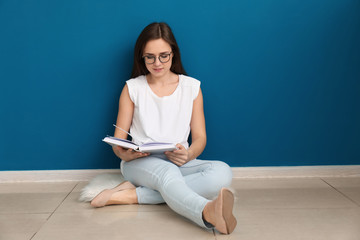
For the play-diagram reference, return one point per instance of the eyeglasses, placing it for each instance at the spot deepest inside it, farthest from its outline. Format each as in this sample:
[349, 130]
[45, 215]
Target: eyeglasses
[163, 58]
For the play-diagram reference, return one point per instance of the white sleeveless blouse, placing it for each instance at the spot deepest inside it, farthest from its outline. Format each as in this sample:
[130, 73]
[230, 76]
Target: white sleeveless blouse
[162, 119]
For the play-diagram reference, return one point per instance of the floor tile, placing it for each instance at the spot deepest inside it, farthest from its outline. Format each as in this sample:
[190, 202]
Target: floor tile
[350, 187]
[20, 226]
[32, 197]
[288, 193]
[307, 208]
[343, 182]
[296, 224]
[37, 187]
[279, 183]
[120, 225]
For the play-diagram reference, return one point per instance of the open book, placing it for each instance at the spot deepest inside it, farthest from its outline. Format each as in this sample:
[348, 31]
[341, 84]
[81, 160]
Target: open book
[152, 147]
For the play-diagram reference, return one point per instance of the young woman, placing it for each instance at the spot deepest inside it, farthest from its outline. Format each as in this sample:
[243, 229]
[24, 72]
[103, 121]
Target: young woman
[160, 103]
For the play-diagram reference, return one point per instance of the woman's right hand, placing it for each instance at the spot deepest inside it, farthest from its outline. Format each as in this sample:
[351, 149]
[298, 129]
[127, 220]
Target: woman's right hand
[128, 154]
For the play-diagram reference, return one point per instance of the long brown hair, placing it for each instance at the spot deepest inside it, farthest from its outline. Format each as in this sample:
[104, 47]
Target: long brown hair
[152, 32]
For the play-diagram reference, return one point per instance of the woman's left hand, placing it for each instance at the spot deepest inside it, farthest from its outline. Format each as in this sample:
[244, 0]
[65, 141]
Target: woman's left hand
[179, 156]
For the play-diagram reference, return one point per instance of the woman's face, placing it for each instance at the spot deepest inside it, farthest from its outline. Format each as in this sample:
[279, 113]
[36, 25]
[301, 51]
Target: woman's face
[159, 52]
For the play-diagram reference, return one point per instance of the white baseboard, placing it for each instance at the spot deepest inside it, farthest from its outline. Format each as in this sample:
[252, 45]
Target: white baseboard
[297, 172]
[238, 172]
[52, 175]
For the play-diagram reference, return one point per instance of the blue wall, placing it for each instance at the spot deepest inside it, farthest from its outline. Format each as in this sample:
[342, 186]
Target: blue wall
[281, 79]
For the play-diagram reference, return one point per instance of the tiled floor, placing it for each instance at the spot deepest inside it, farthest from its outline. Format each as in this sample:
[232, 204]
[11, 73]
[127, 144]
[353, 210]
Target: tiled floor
[314, 209]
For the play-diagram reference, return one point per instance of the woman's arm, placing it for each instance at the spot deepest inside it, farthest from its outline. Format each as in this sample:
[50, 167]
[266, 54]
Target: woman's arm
[198, 135]
[198, 130]
[124, 119]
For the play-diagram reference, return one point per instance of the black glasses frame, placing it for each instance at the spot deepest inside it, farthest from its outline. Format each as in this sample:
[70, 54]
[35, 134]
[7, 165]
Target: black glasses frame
[159, 57]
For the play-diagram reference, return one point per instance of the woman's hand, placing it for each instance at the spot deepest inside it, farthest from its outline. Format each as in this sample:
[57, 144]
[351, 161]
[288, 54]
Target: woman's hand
[179, 156]
[129, 154]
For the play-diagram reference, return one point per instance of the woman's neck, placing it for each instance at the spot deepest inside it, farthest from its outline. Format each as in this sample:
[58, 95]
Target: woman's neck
[163, 80]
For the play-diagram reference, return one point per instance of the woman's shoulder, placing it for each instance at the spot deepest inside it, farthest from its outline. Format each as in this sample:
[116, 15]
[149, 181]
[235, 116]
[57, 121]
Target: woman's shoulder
[189, 81]
[135, 87]
[191, 84]
[136, 81]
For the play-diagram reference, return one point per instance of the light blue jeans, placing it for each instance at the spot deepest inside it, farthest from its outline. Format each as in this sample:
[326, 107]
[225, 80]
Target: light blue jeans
[186, 189]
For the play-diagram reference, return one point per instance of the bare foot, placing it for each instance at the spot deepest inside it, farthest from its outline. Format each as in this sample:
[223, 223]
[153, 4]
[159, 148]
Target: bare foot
[126, 196]
[103, 197]
[219, 212]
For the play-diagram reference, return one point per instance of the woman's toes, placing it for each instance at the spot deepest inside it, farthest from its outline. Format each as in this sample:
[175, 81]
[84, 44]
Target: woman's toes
[102, 198]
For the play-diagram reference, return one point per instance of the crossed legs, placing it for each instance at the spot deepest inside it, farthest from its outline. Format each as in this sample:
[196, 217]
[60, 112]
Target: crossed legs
[184, 189]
